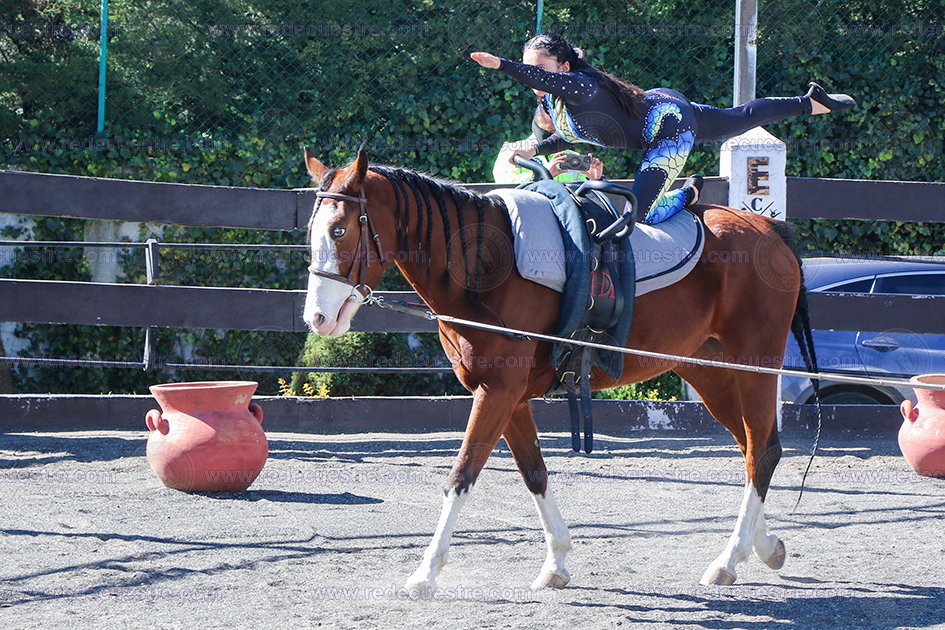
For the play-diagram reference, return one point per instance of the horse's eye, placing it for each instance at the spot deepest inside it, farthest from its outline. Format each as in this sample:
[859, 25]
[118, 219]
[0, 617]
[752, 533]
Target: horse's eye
[337, 232]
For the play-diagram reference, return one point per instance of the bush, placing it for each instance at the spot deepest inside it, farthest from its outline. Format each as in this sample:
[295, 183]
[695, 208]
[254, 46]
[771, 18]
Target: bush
[666, 386]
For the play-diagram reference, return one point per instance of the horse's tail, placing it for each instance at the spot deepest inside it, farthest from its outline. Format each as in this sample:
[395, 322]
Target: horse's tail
[800, 328]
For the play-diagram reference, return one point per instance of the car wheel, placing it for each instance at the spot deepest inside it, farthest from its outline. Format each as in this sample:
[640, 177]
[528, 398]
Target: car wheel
[851, 398]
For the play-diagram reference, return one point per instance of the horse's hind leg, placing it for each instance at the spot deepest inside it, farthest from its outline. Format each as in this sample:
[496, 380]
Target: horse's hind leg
[522, 438]
[768, 546]
[762, 450]
[724, 394]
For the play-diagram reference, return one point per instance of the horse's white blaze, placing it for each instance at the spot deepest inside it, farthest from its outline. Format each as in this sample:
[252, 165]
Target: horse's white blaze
[329, 305]
[434, 558]
[750, 530]
[558, 540]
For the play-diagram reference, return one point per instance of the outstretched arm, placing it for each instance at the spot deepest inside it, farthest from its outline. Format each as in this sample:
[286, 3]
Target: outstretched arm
[486, 60]
[573, 86]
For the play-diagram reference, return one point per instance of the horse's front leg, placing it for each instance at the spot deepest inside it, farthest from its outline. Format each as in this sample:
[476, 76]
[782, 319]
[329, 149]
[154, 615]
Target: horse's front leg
[491, 412]
[522, 438]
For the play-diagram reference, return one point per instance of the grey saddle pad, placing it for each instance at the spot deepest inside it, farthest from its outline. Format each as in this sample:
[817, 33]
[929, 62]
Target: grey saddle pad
[664, 253]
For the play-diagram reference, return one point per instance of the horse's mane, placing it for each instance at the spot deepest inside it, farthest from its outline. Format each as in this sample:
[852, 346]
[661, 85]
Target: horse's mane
[424, 187]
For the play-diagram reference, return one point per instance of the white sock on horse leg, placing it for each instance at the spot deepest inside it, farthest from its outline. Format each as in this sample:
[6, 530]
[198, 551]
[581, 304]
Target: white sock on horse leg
[434, 558]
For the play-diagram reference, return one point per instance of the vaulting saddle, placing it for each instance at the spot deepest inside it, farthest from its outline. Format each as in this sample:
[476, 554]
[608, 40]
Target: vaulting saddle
[599, 260]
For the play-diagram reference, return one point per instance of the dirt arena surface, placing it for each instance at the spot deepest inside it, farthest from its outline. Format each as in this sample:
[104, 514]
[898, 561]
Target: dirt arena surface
[335, 524]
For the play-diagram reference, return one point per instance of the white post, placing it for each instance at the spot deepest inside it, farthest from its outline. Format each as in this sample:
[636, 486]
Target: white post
[103, 261]
[755, 164]
[746, 49]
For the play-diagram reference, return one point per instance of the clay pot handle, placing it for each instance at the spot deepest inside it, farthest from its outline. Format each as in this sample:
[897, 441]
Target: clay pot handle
[909, 411]
[156, 422]
[257, 411]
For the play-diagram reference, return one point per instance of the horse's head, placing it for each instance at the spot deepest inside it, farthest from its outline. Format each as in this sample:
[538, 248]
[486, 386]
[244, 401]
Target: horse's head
[345, 256]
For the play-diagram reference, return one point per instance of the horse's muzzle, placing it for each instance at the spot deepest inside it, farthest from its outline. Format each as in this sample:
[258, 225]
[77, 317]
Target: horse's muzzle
[325, 326]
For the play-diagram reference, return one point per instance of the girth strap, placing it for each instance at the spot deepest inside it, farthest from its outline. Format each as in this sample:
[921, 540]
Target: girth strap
[586, 400]
[580, 409]
[574, 411]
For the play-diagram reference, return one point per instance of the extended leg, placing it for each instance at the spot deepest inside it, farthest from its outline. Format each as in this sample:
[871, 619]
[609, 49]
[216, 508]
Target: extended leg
[522, 438]
[713, 123]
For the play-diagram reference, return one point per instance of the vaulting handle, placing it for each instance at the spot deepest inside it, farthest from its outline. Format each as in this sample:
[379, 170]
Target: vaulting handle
[618, 230]
[608, 187]
[533, 166]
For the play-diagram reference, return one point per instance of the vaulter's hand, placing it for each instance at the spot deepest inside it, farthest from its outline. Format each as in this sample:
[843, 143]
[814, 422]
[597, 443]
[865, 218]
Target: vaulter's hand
[525, 153]
[486, 60]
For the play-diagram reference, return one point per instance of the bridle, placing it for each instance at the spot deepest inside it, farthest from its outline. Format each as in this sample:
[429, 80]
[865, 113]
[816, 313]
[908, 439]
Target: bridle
[363, 253]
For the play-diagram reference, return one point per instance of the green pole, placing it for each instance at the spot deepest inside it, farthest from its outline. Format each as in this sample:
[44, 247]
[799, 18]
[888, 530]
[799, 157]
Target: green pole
[541, 9]
[103, 55]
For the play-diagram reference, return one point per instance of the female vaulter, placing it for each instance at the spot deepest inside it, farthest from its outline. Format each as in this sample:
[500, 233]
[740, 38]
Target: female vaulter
[588, 105]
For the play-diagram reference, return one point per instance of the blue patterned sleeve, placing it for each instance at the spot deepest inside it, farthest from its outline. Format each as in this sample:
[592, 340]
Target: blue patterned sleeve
[574, 87]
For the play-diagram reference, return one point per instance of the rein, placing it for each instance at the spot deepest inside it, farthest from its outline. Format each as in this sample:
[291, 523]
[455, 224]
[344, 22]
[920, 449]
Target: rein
[363, 254]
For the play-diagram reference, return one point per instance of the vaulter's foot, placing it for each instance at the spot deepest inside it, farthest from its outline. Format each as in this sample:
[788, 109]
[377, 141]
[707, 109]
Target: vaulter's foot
[693, 188]
[823, 103]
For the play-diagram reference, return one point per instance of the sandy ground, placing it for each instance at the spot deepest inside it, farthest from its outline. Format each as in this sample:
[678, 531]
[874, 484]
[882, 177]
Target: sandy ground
[330, 531]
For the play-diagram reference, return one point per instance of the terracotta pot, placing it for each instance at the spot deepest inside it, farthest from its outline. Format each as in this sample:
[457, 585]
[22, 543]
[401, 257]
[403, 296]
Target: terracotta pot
[922, 435]
[208, 437]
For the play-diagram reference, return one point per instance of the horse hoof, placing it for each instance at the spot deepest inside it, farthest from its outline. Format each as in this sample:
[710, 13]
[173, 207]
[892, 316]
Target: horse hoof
[420, 582]
[776, 559]
[551, 580]
[718, 577]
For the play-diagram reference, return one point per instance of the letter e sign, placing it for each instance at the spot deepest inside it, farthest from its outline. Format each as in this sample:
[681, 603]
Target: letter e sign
[757, 173]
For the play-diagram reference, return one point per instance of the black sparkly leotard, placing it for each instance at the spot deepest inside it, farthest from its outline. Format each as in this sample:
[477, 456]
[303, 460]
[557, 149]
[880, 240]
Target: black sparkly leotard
[667, 129]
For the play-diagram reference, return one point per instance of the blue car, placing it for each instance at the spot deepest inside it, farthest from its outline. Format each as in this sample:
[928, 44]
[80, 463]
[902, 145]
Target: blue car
[893, 354]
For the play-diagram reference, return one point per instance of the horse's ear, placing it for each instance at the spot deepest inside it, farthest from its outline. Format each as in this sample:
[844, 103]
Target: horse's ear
[357, 170]
[362, 165]
[315, 168]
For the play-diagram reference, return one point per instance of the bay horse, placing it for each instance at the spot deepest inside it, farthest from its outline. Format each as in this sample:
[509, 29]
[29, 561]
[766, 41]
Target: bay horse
[740, 302]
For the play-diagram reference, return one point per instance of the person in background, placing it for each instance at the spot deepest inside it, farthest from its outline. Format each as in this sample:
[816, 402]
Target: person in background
[505, 172]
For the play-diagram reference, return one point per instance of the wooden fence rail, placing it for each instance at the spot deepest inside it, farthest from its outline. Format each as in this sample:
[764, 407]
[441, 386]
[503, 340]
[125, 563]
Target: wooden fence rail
[143, 306]
[273, 209]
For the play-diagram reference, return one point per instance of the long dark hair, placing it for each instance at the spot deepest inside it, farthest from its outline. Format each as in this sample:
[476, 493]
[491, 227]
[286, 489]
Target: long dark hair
[627, 95]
